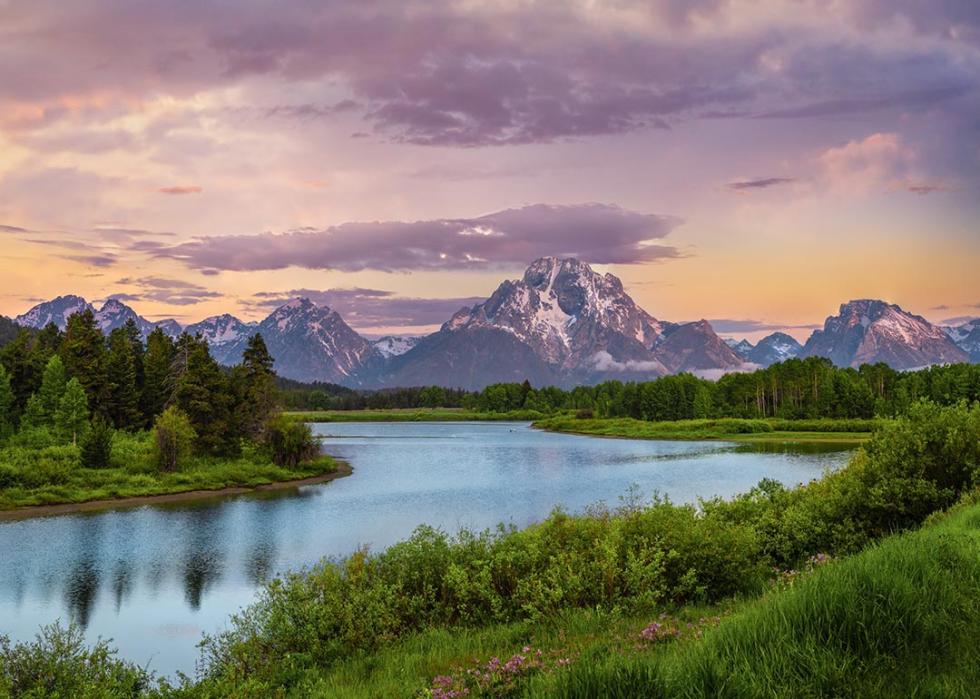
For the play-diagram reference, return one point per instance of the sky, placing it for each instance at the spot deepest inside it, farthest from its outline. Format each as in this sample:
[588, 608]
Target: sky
[753, 162]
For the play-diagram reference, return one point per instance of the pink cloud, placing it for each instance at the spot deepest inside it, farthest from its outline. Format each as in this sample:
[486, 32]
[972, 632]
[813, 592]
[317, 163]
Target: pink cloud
[179, 189]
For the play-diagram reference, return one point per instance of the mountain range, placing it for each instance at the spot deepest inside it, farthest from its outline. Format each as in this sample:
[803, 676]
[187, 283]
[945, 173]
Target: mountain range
[561, 324]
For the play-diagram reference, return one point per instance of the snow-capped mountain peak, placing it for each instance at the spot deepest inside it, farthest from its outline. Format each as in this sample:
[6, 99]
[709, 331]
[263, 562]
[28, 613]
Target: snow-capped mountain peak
[868, 331]
[967, 337]
[774, 348]
[740, 347]
[56, 311]
[394, 345]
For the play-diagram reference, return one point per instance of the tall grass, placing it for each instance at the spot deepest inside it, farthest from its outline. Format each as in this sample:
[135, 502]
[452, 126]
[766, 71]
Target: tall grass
[720, 428]
[899, 619]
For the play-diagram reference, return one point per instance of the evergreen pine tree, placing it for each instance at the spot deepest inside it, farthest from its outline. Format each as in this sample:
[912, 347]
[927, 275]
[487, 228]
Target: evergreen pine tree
[24, 364]
[72, 416]
[156, 369]
[53, 383]
[34, 415]
[256, 387]
[124, 400]
[6, 404]
[203, 393]
[84, 354]
[139, 351]
[97, 444]
[49, 339]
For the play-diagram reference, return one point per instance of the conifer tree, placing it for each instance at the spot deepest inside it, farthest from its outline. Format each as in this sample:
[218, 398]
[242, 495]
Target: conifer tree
[84, 354]
[156, 370]
[53, 383]
[124, 400]
[72, 416]
[24, 365]
[139, 351]
[255, 382]
[6, 404]
[34, 414]
[203, 393]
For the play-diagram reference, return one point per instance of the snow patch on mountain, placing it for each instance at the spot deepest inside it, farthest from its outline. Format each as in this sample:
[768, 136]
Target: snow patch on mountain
[395, 345]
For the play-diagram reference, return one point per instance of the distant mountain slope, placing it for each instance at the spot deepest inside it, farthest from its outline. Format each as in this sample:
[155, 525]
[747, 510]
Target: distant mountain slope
[868, 331]
[967, 338]
[740, 347]
[113, 314]
[774, 348]
[392, 345]
[56, 311]
[695, 347]
[561, 323]
[226, 336]
[313, 343]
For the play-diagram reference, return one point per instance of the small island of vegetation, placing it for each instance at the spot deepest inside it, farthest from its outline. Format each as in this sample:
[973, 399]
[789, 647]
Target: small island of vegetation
[87, 418]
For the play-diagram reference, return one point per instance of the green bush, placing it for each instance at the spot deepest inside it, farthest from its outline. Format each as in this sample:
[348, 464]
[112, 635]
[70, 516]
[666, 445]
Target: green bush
[58, 663]
[290, 442]
[96, 446]
[899, 619]
[172, 439]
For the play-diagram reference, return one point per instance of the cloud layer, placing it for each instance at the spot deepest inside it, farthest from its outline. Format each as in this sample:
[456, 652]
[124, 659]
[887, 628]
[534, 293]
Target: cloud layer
[486, 73]
[597, 233]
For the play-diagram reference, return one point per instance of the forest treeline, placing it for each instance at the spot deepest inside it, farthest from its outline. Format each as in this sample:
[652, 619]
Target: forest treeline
[794, 389]
[58, 386]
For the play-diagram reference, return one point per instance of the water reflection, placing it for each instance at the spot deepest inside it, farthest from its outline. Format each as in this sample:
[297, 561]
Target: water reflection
[154, 578]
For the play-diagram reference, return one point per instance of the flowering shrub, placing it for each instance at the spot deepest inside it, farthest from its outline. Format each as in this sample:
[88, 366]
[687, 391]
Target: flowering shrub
[787, 578]
[496, 677]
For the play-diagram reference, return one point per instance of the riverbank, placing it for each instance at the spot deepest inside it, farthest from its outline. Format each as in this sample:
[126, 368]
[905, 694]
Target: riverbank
[414, 415]
[98, 489]
[756, 431]
[342, 469]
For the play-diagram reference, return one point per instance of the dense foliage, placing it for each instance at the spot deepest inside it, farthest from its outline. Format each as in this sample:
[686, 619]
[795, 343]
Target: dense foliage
[129, 383]
[153, 416]
[795, 389]
[635, 557]
[909, 605]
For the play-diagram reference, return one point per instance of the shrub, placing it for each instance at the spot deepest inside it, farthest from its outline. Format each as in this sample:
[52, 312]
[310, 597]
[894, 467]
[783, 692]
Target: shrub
[290, 442]
[97, 444]
[172, 439]
[59, 664]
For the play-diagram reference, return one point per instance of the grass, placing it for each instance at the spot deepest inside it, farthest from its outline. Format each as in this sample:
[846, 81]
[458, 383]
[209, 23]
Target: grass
[59, 479]
[830, 431]
[901, 618]
[412, 415]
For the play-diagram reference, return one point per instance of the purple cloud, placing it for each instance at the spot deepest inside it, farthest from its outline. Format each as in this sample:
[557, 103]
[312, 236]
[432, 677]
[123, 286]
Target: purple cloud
[762, 183]
[446, 74]
[745, 325]
[94, 260]
[172, 291]
[597, 233]
[372, 308]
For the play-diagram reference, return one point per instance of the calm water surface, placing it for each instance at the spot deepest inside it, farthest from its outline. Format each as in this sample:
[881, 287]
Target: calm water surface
[155, 578]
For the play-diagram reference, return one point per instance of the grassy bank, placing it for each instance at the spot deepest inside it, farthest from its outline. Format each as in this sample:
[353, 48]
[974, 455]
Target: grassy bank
[413, 415]
[804, 592]
[734, 429]
[900, 619]
[54, 475]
